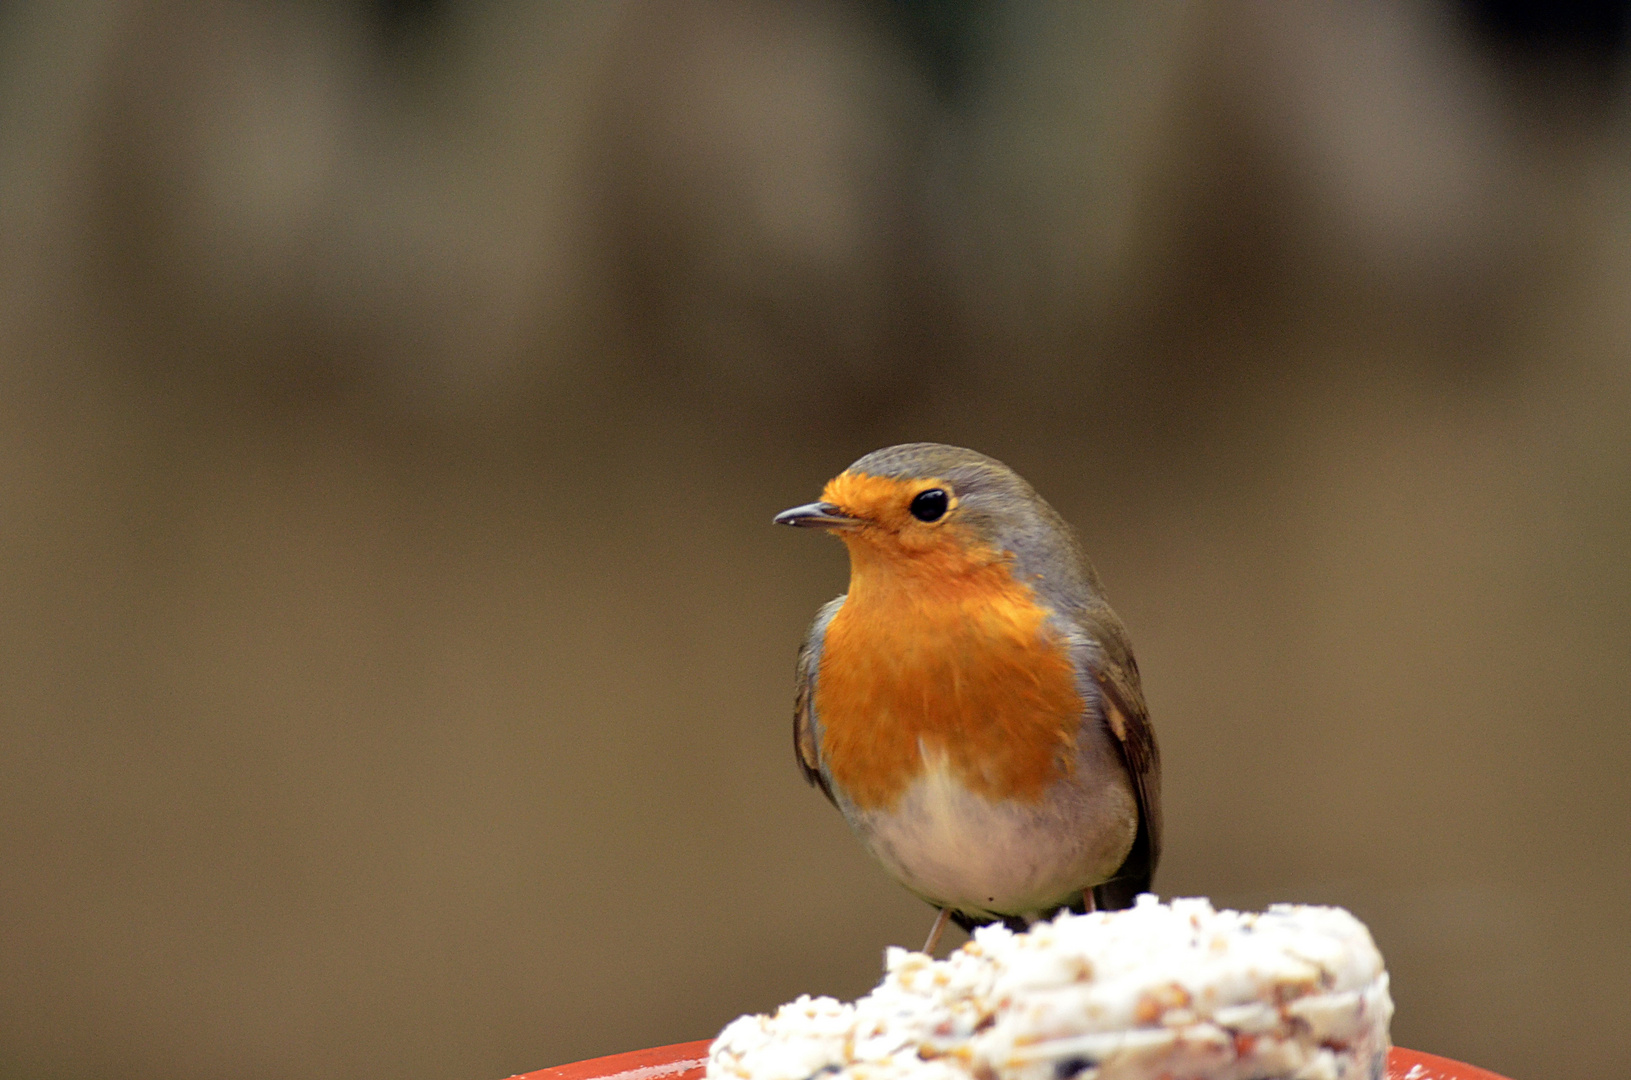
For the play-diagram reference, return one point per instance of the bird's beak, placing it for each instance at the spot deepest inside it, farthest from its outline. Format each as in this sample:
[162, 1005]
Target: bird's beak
[816, 515]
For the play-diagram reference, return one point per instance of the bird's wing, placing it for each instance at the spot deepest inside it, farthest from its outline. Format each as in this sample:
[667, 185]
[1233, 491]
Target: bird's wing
[1110, 660]
[806, 725]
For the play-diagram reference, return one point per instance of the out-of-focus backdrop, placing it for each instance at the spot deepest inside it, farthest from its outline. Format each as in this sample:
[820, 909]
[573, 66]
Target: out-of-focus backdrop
[395, 650]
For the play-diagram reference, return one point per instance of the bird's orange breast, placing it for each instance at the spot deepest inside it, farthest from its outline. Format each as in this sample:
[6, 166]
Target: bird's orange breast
[947, 658]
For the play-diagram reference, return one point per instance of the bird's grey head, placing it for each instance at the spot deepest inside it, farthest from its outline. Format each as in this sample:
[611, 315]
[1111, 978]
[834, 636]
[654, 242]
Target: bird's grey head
[996, 504]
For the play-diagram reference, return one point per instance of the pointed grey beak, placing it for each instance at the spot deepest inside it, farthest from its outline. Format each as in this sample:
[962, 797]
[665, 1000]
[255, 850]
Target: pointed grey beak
[816, 515]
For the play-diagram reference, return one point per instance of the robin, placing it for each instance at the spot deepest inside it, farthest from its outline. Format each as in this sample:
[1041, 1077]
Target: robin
[972, 705]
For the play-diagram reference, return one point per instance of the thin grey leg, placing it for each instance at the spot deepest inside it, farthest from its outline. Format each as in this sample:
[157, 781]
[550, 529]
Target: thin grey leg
[936, 930]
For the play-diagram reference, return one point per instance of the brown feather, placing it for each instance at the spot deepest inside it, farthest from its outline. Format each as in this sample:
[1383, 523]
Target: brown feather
[1129, 720]
[806, 746]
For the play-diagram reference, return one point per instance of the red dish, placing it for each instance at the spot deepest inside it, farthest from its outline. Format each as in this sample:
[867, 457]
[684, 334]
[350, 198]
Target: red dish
[684, 1061]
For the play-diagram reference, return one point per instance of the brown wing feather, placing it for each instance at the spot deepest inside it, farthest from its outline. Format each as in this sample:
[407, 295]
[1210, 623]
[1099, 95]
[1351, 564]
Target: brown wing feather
[1116, 673]
[806, 736]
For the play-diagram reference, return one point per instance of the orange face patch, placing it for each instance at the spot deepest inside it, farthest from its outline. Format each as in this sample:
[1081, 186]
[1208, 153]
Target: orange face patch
[938, 651]
[881, 500]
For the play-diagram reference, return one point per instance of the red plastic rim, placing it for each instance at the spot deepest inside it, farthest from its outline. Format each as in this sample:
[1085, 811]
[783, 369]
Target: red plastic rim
[685, 1061]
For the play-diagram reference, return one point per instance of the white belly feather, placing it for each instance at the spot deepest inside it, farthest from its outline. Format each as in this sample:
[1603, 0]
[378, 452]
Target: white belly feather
[956, 848]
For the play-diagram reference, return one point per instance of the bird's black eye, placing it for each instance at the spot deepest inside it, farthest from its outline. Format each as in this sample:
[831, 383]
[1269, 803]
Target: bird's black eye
[930, 505]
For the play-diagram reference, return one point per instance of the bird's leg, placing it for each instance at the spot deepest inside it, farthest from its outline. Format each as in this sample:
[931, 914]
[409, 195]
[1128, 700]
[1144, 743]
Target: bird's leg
[1089, 907]
[936, 930]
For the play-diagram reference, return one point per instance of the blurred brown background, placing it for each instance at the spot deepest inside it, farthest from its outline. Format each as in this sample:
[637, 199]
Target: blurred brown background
[395, 650]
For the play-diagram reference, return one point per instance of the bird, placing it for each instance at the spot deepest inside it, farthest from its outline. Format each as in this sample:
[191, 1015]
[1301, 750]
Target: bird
[971, 704]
